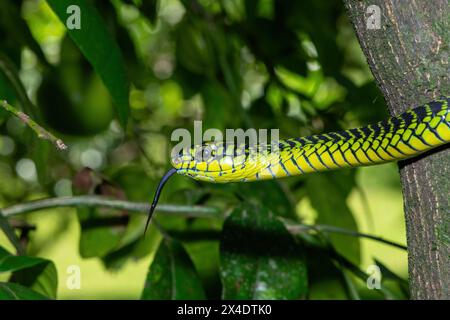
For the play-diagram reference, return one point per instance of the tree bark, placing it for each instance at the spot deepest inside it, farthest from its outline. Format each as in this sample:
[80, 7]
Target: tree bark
[409, 58]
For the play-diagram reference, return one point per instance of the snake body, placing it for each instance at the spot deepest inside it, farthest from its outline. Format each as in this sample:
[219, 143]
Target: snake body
[400, 137]
[404, 136]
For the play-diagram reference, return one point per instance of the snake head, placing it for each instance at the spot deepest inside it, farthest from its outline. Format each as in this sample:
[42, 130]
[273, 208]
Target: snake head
[198, 153]
[210, 161]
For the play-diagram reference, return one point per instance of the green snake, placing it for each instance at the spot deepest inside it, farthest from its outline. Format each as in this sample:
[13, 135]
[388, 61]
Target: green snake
[404, 136]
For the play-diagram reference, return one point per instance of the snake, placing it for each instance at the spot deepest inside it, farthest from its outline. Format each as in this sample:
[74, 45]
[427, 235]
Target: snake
[400, 137]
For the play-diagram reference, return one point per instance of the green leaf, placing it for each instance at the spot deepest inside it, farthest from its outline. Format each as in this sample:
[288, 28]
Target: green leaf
[328, 194]
[11, 263]
[42, 278]
[273, 191]
[100, 49]
[277, 200]
[132, 245]
[14, 291]
[206, 258]
[259, 258]
[99, 234]
[36, 273]
[201, 240]
[172, 275]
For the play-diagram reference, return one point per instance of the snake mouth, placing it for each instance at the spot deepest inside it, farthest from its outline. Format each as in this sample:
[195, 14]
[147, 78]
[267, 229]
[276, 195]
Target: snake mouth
[180, 161]
[176, 162]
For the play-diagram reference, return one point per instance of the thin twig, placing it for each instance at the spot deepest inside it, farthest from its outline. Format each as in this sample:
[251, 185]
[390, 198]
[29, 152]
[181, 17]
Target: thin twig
[298, 228]
[97, 201]
[40, 132]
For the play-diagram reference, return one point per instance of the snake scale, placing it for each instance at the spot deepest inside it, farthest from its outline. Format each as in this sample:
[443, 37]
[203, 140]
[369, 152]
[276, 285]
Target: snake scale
[407, 135]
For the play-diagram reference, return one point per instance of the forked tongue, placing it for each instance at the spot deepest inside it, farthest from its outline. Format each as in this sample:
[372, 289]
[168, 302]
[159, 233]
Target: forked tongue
[163, 181]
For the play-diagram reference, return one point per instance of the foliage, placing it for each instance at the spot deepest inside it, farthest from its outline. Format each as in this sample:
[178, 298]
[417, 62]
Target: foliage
[260, 259]
[114, 91]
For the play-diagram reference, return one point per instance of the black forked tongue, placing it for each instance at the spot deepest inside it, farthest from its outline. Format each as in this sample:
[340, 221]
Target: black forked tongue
[163, 181]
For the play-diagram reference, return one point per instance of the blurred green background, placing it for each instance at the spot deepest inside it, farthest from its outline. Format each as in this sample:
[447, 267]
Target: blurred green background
[295, 65]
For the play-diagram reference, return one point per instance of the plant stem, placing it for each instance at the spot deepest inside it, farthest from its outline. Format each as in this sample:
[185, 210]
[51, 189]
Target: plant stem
[97, 201]
[40, 132]
[10, 234]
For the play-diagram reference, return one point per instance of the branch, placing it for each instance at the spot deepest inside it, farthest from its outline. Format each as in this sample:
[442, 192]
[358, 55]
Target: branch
[97, 201]
[40, 132]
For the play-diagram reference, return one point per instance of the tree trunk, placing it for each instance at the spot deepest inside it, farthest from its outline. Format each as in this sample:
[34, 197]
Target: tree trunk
[408, 53]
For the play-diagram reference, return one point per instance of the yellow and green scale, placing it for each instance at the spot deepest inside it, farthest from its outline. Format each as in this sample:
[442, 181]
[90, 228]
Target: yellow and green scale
[407, 135]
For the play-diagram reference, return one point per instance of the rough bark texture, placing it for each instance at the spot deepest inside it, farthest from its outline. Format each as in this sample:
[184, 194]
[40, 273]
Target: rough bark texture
[409, 58]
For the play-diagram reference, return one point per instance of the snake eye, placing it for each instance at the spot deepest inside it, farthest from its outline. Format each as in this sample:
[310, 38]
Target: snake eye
[204, 154]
